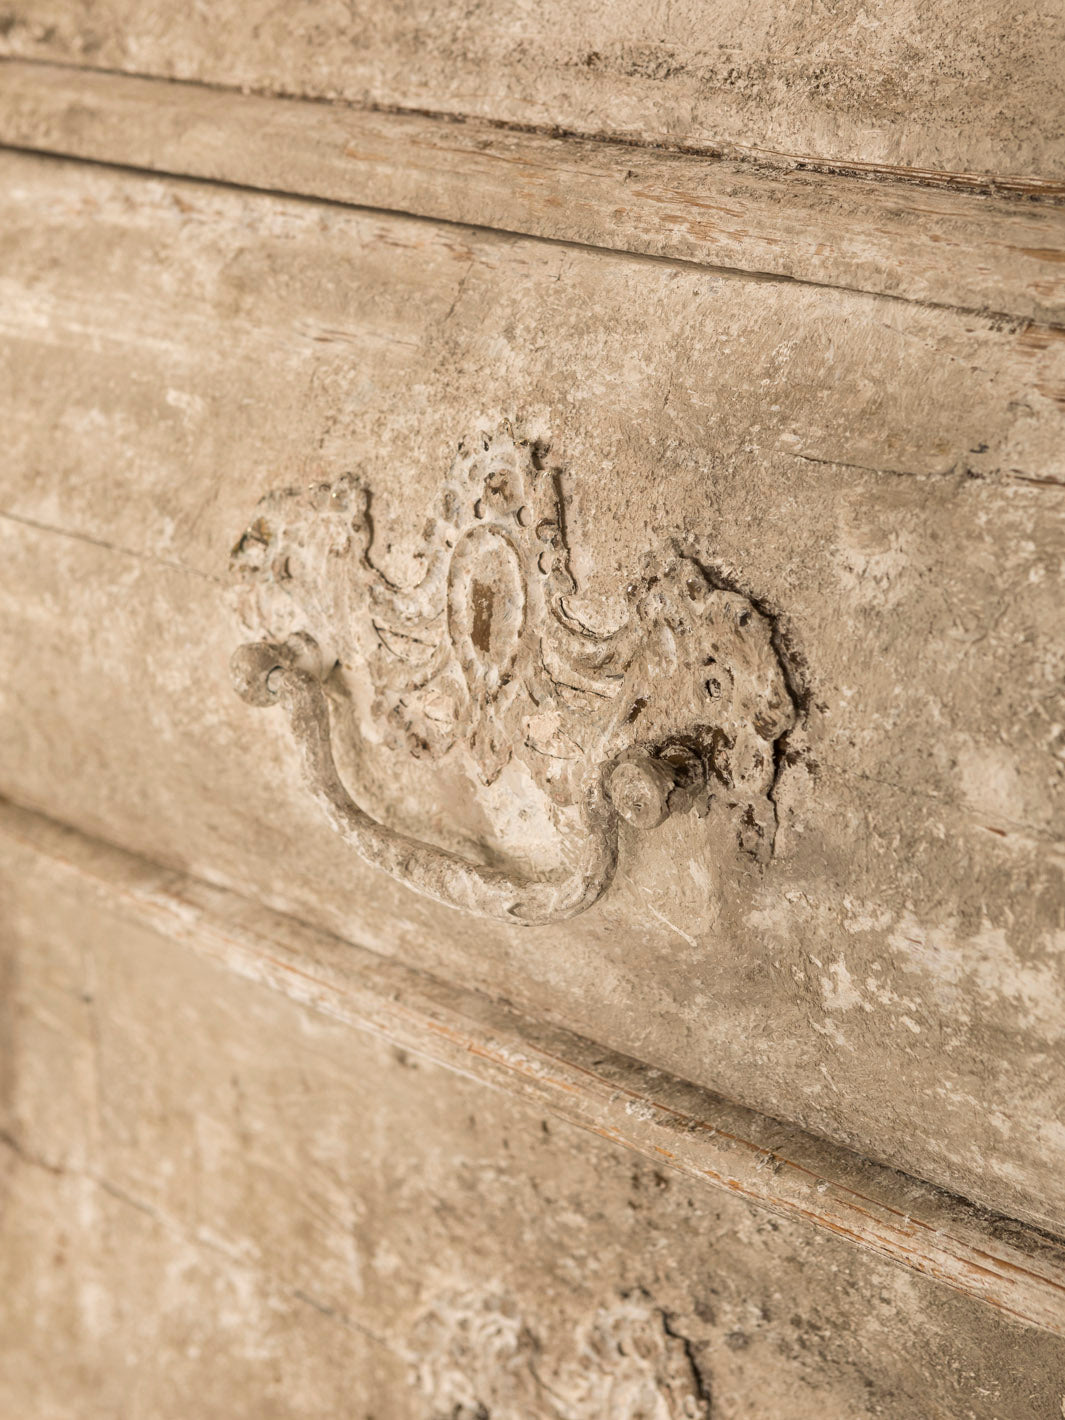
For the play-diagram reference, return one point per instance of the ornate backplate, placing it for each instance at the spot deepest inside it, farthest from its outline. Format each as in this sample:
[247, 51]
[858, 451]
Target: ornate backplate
[484, 660]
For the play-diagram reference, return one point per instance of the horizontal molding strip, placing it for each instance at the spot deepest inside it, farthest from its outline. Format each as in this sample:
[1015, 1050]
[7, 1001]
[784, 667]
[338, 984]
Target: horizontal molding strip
[970, 250]
[1005, 1264]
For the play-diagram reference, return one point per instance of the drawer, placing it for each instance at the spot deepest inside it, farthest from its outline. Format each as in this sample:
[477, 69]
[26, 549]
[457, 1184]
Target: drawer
[209, 1199]
[233, 417]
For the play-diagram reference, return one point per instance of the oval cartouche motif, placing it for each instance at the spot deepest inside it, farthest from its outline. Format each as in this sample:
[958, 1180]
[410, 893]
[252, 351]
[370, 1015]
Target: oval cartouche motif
[486, 604]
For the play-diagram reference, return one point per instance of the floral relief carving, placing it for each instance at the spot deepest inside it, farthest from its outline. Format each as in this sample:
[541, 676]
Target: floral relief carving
[484, 660]
[476, 1357]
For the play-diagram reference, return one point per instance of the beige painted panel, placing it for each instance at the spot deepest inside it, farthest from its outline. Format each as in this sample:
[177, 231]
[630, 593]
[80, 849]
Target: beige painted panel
[886, 479]
[278, 1215]
[963, 88]
[689, 1133]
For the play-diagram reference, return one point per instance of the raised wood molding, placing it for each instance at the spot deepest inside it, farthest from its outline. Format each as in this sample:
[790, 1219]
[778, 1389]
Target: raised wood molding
[955, 92]
[973, 247]
[705, 1137]
[173, 350]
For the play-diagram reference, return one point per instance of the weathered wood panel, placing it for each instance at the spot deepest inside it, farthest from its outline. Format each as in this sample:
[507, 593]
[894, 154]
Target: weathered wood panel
[892, 238]
[885, 479]
[964, 89]
[210, 1189]
[706, 1139]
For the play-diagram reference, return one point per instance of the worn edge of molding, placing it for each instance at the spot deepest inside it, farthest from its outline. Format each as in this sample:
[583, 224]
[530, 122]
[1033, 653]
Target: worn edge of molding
[705, 1137]
[1031, 185]
[944, 247]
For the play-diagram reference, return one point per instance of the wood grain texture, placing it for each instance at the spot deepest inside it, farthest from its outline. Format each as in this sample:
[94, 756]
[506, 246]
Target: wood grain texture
[963, 89]
[892, 238]
[883, 478]
[708, 1139]
[209, 1188]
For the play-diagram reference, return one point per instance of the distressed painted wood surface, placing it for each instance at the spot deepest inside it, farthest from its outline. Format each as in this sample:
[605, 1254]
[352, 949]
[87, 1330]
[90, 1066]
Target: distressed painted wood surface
[940, 245]
[708, 1140]
[962, 89]
[216, 1188]
[885, 479]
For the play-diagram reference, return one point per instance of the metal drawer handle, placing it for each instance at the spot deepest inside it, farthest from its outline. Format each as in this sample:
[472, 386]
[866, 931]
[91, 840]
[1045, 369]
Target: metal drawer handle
[639, 789]
[484, 662]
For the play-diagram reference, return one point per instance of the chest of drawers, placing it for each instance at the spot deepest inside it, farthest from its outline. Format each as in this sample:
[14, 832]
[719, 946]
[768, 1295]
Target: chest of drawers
[533, 759]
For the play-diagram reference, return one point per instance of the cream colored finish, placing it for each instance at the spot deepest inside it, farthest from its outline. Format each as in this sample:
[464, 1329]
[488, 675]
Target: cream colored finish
[941, 244]
[708, 1141]
[628, 443]
[882, 478]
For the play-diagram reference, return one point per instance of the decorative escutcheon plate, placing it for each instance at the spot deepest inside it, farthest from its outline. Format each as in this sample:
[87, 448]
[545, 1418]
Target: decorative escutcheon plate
[483, 664]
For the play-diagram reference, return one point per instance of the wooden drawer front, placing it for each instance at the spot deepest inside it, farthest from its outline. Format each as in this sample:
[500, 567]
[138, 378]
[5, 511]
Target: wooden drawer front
[880, 481]
[212, 1201]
